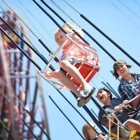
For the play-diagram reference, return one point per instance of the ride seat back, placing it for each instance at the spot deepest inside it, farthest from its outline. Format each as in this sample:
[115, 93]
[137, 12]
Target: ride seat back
[87, 70]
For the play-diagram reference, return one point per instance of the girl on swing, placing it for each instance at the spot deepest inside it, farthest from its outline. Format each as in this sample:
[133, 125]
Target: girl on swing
[71, 54]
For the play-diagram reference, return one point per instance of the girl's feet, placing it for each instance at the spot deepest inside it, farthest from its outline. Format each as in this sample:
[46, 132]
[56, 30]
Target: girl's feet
[83, 99]
[47, 75]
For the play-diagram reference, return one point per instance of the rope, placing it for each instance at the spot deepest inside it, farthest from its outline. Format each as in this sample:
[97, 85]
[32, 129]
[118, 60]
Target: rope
[33, 63]
[21, 51]
[34, 49]
[63, 21]
[29, 114]
[72, 7]
[20, 48]
[91, 115]
[21, 119]
[30, 130]
[30, 29]
[110, 89]
[92, 38]
[59, 92]
[113, 90]
[40, 23]
[136, 2]
[17, 26]
[6, 130]
[37, 124]
[57, 107]
[63, 12]
[108, 36]
[129, 9]
[93, 118]
[66, 117]
[124, 14]
[24, 109]
[20, 19]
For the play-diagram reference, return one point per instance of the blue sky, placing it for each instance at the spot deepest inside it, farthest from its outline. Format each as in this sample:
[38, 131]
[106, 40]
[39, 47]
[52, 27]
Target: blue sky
[120, 20]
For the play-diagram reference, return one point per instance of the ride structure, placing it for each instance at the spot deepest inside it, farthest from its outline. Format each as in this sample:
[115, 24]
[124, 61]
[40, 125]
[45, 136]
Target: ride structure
[19, 87]
[13, 79]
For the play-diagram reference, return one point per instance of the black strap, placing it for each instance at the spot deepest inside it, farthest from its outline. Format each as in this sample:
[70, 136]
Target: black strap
[133, 109]
[95, 138]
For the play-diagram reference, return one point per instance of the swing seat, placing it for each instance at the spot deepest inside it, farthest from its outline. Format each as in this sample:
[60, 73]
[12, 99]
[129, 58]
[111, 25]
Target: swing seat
[132, 135]
[87, 62]
[87, 70]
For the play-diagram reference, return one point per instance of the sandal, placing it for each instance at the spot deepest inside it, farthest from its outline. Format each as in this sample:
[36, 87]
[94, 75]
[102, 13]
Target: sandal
[83, 100]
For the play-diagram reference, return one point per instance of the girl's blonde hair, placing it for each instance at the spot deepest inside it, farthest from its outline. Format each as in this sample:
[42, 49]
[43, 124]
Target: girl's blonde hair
[69, 29]
[85, 129]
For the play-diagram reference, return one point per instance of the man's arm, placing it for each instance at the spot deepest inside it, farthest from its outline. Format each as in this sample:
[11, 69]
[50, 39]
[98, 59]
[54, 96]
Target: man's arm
[135, 103]
[128, 93]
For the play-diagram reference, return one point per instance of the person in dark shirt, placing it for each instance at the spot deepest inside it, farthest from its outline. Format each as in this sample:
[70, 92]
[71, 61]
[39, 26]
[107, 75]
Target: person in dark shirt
[89, 133]
[111, 105]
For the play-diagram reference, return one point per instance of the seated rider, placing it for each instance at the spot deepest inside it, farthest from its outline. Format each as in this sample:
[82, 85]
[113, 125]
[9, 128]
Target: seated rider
[69, 56]
[129, 86]
[111, 104]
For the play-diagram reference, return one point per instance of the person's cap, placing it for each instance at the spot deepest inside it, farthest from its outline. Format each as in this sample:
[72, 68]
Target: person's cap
[120, 62]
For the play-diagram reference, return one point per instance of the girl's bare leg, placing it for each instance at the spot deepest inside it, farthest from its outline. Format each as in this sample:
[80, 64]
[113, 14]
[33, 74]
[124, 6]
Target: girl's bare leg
[74, 72]
[133, 124]
[66, 81]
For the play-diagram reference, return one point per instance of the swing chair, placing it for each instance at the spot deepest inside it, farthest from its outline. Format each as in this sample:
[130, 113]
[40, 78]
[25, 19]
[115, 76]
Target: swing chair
[130, 133]
[87, 65]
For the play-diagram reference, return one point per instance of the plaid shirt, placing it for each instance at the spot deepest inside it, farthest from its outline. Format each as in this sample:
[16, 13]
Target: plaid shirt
[128, 89]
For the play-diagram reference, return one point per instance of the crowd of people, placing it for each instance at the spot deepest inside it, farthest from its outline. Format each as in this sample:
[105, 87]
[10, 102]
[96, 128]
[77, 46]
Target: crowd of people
[127, 113]
[129, 87]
